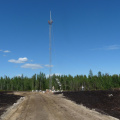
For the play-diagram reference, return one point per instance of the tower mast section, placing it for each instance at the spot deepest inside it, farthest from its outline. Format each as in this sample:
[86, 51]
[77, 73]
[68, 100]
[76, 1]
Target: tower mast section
[50, 59]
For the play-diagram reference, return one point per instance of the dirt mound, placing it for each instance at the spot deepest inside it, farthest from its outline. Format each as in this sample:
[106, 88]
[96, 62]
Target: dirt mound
[106, 102]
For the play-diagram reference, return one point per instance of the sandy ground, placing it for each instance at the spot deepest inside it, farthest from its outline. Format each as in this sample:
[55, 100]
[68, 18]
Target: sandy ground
[40, 106]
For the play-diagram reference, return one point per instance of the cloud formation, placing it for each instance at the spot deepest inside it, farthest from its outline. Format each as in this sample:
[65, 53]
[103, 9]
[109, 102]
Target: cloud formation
[48, 65]
[112, 47]
[32, 66]
[6, 51]
[20, 60]
[0, 50]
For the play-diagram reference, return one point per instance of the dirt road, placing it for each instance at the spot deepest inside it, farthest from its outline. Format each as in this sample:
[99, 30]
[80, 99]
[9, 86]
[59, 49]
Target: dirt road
[39, 106]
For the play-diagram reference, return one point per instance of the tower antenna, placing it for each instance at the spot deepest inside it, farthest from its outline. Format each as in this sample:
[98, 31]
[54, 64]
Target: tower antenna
[50, 59]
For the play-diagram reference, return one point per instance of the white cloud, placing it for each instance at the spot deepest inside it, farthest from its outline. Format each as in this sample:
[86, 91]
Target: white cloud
[4, 55]
[6, 51]
[20, 60]
[48, 65]
[0, 50]
[112, 47]
[32, 66]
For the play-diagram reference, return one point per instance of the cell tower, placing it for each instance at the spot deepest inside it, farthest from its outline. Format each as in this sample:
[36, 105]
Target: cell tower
[50, 59]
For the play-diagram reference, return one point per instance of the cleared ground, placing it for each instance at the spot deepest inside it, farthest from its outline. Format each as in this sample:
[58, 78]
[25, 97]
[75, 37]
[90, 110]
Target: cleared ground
[106, 102]
[7, 98]
[39, 106]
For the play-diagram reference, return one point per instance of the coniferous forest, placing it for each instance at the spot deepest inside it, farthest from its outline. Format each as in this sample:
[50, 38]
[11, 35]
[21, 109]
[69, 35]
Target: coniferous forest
[68, 82]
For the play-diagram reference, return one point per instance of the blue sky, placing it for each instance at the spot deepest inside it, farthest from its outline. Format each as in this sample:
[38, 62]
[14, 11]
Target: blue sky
[85, 35]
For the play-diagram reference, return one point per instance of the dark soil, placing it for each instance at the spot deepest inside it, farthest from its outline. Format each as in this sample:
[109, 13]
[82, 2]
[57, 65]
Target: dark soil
[7, 99]
[105, 102]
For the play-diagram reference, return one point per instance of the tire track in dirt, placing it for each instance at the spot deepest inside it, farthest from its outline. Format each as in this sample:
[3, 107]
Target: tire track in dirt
[20, 109]
[70, 110]
[39, 106]
[24, 110]
[58, 109]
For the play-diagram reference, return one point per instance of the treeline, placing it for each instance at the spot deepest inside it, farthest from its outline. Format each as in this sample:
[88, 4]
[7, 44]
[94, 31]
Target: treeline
[36, 82]
[68, 82]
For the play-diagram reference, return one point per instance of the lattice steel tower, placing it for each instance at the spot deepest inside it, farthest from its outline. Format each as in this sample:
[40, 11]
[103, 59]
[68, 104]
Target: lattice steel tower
[50, 59]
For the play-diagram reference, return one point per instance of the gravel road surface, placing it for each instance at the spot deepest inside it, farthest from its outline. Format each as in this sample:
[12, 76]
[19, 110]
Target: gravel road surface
[46, 106]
